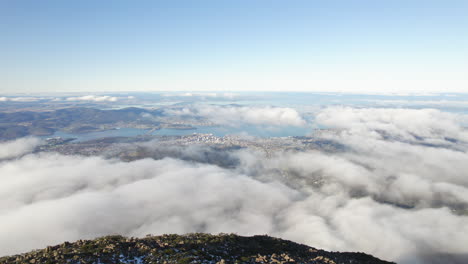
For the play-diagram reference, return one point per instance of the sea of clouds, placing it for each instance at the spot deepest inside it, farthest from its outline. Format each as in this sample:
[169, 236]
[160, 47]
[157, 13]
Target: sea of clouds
[399, 191]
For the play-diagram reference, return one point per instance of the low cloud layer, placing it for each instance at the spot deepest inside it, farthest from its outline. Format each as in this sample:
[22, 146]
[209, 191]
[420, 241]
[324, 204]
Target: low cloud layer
[428, 125]
[236, 115]
[17, 148]
[204, 95]
[399, 191]
[19, 99]
[422, 103]
[94, 98]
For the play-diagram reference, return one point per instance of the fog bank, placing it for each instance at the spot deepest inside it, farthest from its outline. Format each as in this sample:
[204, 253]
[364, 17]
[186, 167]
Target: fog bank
[399, 191]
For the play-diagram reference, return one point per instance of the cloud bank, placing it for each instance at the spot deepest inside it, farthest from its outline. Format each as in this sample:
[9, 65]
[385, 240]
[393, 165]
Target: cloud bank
[94, 98]
[18, 147]
[399, 191]
[20, 99]
[229, 96]
[236, 115]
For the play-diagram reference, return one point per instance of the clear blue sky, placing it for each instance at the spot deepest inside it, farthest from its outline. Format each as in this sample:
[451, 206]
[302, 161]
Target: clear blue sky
[327, 45]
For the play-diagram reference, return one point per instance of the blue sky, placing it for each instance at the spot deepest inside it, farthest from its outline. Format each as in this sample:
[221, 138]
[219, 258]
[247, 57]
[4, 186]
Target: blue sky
[245, 45]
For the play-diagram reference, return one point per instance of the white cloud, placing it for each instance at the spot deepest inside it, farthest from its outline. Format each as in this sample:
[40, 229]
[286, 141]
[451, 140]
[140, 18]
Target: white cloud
[428, 125]
[19, 99]
[422, 103]
[204, 95]
[94, 98]
[68, 200]
[391, 194]
[73, 198]
[11, 149]
[236, 115]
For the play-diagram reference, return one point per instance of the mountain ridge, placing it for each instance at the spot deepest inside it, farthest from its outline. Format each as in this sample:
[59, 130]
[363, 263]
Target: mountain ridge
[189, 248]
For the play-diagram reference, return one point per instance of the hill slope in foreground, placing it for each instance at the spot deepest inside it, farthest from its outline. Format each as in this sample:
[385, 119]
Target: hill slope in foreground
[191, 248]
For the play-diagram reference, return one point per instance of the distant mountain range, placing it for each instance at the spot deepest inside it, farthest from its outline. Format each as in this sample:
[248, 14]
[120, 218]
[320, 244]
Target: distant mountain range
[76, 120]
[191, 248]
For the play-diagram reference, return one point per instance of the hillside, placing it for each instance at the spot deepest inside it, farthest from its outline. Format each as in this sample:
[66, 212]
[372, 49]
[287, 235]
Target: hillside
[191, 248]
[75, 120]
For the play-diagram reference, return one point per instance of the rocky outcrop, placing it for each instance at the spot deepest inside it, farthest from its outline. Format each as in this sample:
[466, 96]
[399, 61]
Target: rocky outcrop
[191, 248]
